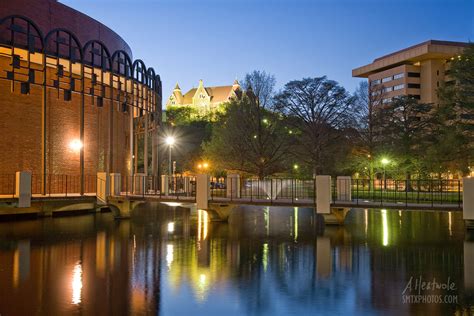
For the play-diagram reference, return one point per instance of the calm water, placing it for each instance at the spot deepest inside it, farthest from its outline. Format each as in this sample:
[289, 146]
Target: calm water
[266, 261]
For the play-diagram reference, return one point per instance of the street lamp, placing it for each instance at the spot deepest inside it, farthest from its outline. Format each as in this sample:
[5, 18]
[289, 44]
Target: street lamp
[75, 145]
[203, 165]
[385, 162]
[170, 140]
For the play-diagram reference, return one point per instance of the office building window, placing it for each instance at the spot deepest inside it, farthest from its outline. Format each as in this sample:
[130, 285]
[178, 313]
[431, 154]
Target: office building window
[375, 93]
[414, 86]
[387, 79]
[414, 74]
[386, 100]
[414, 96]
[388, 89]
[375, 82]
[398, 87]
[398, 76]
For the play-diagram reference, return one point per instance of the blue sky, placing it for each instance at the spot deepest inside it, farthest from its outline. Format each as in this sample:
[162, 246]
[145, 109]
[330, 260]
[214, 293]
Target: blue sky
[220, 40]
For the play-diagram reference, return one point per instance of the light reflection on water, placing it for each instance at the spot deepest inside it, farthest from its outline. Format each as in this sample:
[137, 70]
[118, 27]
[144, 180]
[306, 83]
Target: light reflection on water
[265, 261]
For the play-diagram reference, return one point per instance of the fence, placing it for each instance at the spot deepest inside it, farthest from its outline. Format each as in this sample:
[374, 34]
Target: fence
[63, 185]
[141, 185]
[432, 191]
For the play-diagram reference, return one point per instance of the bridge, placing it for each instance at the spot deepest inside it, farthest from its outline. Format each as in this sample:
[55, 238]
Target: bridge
[332, 198]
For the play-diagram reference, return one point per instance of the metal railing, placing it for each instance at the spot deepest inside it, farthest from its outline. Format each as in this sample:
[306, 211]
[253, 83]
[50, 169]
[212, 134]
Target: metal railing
[140, 185]
[389, 192]
[63, 185]
[271, 189]
[432, 192]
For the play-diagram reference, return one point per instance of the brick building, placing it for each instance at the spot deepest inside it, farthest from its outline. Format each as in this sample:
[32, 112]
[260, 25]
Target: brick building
[72, 100]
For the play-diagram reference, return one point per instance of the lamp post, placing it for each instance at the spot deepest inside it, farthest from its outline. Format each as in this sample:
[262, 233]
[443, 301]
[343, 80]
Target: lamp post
[385, 162]
[170, 141]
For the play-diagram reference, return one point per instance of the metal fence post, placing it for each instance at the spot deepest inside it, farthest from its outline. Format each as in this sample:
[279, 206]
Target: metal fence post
[381, 193]
[271, 191]
[459, 194]
[431, 192]
[406, 193]
[357, 191]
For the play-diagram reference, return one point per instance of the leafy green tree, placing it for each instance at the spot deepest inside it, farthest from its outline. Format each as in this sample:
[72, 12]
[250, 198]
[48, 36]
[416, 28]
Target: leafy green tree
[181, 115]
[455, 150]
[248, 139]
[404, 127]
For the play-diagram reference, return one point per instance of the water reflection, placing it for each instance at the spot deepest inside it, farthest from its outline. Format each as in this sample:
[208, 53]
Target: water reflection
[273, 261]
[76, 283]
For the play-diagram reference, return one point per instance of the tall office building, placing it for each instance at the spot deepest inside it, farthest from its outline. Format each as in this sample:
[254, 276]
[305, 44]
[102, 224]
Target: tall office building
[416, 71]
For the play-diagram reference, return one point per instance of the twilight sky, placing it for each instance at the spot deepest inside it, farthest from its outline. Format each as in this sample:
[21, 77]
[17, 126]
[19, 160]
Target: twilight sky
[220, 40]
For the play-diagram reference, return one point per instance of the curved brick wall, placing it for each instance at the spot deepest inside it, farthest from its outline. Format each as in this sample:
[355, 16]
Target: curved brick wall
[50, 14]
[21, 114]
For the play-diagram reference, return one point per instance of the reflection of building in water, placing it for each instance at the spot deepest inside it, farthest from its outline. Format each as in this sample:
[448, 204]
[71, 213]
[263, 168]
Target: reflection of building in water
[60, 276]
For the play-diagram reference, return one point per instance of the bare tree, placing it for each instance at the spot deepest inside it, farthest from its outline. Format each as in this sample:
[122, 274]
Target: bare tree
[320, 110]
[368, 104]
[262, 84]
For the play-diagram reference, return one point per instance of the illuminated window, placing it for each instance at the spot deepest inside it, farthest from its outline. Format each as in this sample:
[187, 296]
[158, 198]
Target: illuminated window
[398, 76]
[387, 100]
[398, 87]
[375, 82]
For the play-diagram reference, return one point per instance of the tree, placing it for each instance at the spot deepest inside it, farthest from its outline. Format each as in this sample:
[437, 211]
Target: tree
[456, 114]
[367, 100]
[262, 84]
[320, 111]
[404, 127]
[248, 139]
[181, 115]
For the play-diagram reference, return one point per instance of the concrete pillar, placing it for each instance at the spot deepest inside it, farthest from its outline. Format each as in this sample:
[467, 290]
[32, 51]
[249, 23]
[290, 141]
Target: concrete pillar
[468, 264]
[115, 184]
[202, 191]
[343, 185]
[233, 186]
[468, 202]
[103, 187]
[165, 189]
[23, 188]
[323, 194]
[139, 183]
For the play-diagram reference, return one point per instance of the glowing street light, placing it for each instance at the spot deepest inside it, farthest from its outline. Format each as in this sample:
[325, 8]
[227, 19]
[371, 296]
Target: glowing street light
[75, 145]
[203, 165]
[295, 166]
[170, 140]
